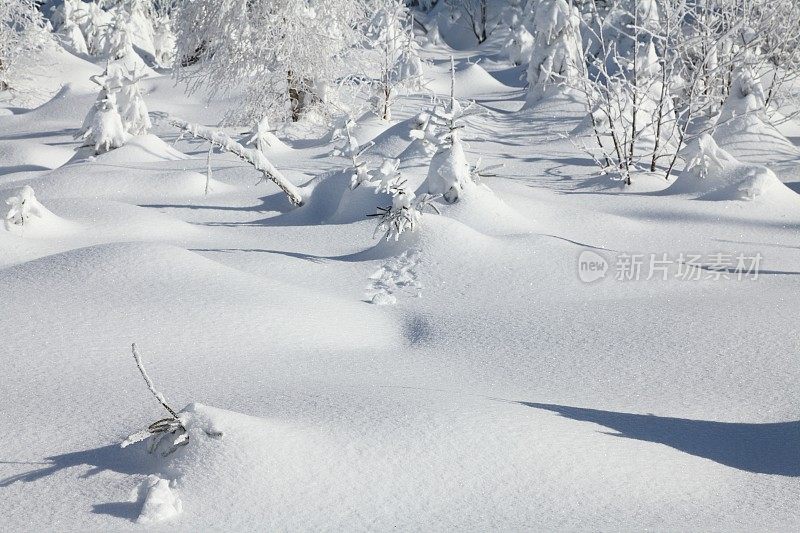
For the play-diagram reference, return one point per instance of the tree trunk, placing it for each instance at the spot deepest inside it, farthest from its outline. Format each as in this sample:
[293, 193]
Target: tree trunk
[295, 96]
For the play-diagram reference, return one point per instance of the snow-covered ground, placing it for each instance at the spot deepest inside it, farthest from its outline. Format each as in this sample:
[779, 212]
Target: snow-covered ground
[501, 391]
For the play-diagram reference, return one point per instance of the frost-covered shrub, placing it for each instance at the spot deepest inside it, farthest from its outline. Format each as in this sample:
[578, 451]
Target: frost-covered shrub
[21, 34]
[103, 127]
[405, 212]
[22, 206]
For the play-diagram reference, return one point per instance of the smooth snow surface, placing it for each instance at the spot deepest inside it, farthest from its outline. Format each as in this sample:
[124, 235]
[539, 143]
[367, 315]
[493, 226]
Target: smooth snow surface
[463, 377]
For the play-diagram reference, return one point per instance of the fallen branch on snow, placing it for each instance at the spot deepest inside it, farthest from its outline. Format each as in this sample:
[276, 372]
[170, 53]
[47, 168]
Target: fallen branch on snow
[252, 156]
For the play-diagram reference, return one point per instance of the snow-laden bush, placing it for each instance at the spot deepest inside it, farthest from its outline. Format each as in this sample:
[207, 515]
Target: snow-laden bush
[106, 130]
[22, 206]
[406, 210]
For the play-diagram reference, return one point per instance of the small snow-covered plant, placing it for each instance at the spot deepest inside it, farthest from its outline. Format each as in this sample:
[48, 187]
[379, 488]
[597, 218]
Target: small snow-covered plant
[425, 131]
[70, 31]
[22, 206]
[449, 172]
[405, 212]
[103, 126]
[170, 431]
[120, 109]
[125, 65]
[350, 147]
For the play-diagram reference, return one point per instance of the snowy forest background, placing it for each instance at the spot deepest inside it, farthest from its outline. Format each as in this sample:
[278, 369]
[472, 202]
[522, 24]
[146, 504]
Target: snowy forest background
[387, 240]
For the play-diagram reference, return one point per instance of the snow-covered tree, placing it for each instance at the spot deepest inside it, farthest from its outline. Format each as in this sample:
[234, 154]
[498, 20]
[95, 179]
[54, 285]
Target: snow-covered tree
[449, 173]
[281, 52]
[103, 127]
[399, 64]
[557, 57]
[120, 110]
[164, 41]
[21, 34]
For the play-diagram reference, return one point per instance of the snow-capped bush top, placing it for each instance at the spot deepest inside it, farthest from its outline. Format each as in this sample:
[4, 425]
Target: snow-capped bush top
[23, 206]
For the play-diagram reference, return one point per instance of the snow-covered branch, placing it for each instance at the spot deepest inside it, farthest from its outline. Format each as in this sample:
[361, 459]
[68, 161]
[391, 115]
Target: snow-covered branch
[249, 155]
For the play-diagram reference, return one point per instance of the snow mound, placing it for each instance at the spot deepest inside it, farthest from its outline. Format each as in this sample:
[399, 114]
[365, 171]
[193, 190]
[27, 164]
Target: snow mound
[142, 149]
[470, 82]
[106, 295]
[331, 201]
[394, 141]
[750, 139]
[27, 217]
[714, 174]
[70, 103]
[482, 210]
[159, 501]
[369, 126]
[153, 181]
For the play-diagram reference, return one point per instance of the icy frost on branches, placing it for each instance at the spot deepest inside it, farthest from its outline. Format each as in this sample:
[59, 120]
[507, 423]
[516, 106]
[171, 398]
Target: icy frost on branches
[390, 34]
[21, 34]
[282, 52]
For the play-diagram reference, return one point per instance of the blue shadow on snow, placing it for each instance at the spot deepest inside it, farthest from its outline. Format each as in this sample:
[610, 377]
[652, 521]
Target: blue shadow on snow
[772, 448]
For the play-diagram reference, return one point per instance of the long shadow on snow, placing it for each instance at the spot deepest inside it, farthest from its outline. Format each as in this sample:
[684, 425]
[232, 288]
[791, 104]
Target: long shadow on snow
[772, 448]
[112, 457]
